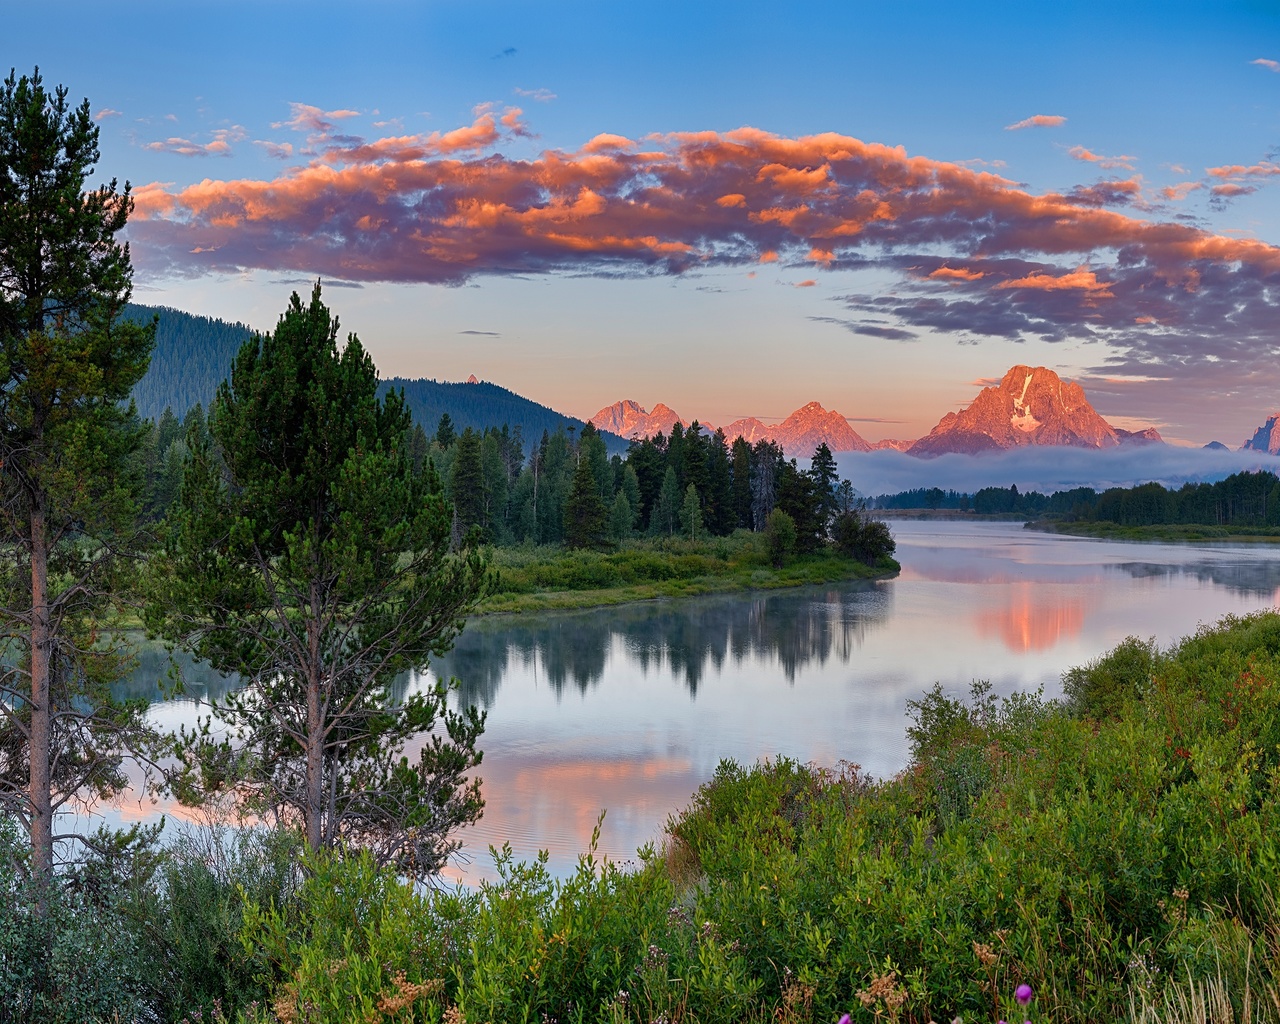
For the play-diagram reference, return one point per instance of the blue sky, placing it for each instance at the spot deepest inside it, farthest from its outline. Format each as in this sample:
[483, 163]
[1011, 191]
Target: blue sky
[1159, 303]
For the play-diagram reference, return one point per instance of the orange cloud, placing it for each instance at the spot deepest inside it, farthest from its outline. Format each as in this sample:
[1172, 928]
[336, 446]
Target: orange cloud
[445, 207]
[220, 145]
[1079, 279]
[956, 274]
[1265, 169]
[104, 113]
[808, 283]
[1108, 162]
[1037, 121]
[1180, 191]
[307, 118]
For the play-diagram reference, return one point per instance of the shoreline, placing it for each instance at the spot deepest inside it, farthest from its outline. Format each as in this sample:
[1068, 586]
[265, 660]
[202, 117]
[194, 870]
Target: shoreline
[1172, 533]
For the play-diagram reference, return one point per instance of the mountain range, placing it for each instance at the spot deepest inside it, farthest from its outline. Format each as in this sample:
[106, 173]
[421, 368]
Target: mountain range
[1030, 406]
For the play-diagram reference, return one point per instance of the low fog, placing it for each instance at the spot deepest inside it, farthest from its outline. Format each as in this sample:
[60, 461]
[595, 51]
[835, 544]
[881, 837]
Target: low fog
[1047, 469]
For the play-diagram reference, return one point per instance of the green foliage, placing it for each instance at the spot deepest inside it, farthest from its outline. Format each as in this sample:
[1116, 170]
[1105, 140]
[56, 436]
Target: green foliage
[666, 507]
[585, 512]
[858, 535]
[691, 513]
[780, 533]
[192, 355]
[1106, 686]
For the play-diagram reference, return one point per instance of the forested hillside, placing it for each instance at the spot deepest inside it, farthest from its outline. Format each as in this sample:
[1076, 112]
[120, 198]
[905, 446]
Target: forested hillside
[193, 355]
[480, 405]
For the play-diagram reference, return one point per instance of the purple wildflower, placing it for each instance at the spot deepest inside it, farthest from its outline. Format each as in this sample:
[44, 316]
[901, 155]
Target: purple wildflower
[844, 1019]
[1023, 994]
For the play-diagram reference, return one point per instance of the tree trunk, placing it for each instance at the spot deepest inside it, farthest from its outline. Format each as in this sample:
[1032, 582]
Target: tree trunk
[315, 731]
[38, 792]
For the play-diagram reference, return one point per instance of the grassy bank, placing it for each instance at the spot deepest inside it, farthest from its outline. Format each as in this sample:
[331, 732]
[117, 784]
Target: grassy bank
[549, 577]
[1165, 532]
[1118, 852]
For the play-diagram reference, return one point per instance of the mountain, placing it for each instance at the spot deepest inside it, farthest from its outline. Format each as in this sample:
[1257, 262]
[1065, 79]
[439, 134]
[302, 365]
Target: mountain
[798, 435]
[479, 404]
[1217, 446]
[630, 419]
[1266, 438]
[1030, 406]
[811, 425]
[891, 442]
[1148, 436]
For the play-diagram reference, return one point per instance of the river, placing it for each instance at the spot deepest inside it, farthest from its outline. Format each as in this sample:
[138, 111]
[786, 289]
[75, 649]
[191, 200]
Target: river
[628, 710]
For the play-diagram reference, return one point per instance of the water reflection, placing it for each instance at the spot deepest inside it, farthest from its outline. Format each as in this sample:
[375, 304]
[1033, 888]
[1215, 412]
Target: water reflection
[1029, 621]
[1253, 577]
[685, 639]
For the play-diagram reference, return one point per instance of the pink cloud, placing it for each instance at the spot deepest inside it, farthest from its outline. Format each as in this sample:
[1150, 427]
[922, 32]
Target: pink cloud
[1107, 162]
[219, 145]
[1263, 169]
[1180, 191]
[104, 113]
[278, 150]
[1037, 121]
[807, 283]
[1231, 190]
[1270, 65]
[306, 118]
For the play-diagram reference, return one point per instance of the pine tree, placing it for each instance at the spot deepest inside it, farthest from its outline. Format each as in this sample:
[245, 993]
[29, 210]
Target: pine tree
[70, 469]
[666, 508]
[307, 557]
[691, 513]
[620, 517]
[823, 473]
[585, 513]
[467, 485]
[741, 486]
[445, 434]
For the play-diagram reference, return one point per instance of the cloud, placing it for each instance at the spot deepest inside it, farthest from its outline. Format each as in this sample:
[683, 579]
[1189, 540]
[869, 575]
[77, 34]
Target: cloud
[1270, 65]
[1180, 191]
[306, 118]
[1111, 192]
[541, 95]
[485, 334]
[276, 150]
[219, 145]
[1231, 190]
[807, 283]
[870, 329]
[105, 113]
[1046, 469]
[1106, 162]
[976, 255]
[1037, 121]
[510, 51]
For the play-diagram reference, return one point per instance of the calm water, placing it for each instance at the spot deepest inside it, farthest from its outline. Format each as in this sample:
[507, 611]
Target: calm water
[629, 710]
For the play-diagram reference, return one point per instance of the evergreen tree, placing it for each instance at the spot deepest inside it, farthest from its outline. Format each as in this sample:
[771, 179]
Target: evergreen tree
[70, 463]
[445, 434]
[307, 557]
[691, 513]
[592, 448]
[825, 477]
[648, 458]
[720, 516]
[693, 458]
[466, 485]
[741, 486]
[494, 471]
[417, 447]
[798, 498]
[585, 513]
[620, 517]
[666, 509]
[630, 486]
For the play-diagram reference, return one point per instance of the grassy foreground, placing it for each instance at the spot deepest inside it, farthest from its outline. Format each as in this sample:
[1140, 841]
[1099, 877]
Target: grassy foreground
[1118, 853]
[1172, 532]
[549, 576]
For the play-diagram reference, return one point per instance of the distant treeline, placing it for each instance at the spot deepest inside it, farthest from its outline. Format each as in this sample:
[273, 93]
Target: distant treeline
[1242, 499]
[567, 489]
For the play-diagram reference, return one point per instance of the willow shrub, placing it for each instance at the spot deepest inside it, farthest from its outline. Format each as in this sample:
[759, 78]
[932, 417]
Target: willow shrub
[1099, 859]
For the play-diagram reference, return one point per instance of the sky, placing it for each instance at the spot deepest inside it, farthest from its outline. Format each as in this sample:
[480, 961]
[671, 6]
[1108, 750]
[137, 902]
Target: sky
[732, 208]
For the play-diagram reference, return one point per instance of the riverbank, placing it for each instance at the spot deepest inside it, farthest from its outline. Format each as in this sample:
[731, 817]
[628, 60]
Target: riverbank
[550, 577]
[1163, 533]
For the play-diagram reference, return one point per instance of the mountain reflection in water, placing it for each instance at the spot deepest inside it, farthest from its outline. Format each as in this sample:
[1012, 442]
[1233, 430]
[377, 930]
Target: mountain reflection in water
[682, 638]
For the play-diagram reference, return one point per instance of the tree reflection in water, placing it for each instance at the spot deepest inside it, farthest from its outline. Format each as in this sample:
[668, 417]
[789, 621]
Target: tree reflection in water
[688, 638]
